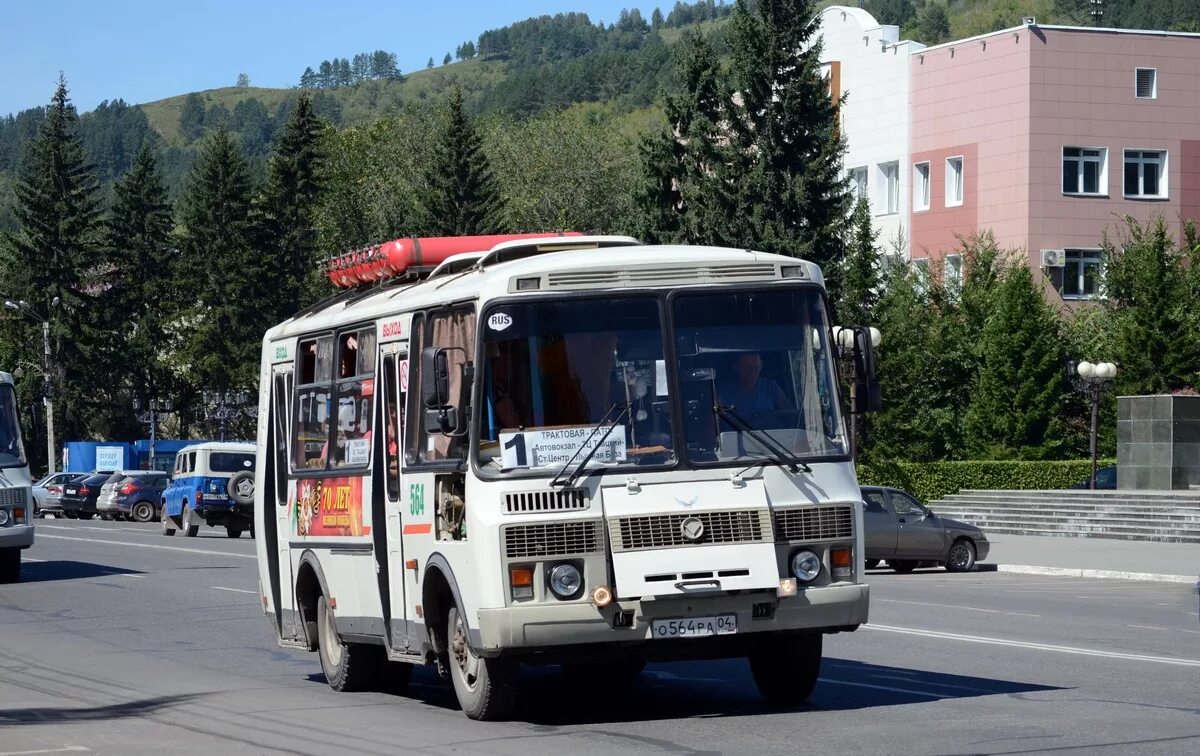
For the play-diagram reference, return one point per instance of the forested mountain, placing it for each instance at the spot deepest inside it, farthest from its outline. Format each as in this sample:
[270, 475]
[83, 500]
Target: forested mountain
[538, 65]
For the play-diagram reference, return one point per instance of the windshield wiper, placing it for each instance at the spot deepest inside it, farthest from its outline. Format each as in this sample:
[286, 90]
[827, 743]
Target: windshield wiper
[570, 481]
[769, 442]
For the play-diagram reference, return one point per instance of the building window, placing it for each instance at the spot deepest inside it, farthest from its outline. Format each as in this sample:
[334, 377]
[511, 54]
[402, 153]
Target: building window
[1146, 83]
[952, 274]
[1081, 273]
[921, 273]
[954, 181]
[1084, 170]
[858, 182]
[889, 190]
[1144, 173]
[921, 186]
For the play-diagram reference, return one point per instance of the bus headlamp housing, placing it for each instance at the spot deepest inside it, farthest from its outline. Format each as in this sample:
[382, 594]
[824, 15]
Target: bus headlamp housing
[565, 580]
[806, 566]
[3, 517]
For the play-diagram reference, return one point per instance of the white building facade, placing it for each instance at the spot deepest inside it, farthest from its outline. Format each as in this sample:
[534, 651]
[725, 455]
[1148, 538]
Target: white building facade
[868, 64]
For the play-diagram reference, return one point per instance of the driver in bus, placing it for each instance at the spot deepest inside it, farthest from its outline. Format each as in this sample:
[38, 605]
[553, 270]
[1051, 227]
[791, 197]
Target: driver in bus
[749, 393]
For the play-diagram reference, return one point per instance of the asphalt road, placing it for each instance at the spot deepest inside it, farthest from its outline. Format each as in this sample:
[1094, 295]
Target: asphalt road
[121, 641]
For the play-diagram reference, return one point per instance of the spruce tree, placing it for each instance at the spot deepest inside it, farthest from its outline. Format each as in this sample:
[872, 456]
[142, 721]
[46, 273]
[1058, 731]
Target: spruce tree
[786, 129]
[222, 277]
[53, 255]
[289, 206]
[138, 300]
[860, 270]
[461, 197]
[191, 117]
[1020, 387]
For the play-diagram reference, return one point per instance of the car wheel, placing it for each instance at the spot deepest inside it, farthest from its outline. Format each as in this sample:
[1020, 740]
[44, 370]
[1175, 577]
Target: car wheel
[347, 666]
[486, 688]
[233, 532]
[871, 564]
[961, 557]
[10, 565]
[86, 515]
[189, 529]
[168, 526]
[72, 515]
[143, 511]
[105, 516]
[786, 668]
[903, 565]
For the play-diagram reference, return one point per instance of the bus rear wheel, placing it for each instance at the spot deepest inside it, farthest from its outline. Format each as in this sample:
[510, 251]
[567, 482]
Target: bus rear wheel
[347, 666]
[486, 688]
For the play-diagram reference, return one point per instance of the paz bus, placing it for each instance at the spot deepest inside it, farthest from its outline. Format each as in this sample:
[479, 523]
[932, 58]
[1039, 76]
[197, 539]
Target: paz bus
[485, 452]
[16, 532]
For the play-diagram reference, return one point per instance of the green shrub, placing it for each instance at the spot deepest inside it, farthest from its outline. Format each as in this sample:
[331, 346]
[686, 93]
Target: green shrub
[930, 481]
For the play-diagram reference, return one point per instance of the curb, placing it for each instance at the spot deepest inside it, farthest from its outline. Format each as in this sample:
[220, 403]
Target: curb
[1025, 569]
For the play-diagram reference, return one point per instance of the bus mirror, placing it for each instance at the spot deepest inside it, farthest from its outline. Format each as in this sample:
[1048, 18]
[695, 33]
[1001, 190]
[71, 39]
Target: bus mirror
[442, 420]
[866, 393]
[435, 378]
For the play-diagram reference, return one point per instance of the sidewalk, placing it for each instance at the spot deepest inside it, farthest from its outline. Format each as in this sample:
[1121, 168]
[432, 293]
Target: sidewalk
[1095, 558]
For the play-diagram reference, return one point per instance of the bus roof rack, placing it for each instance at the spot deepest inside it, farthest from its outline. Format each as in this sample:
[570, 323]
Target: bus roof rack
[519, 249]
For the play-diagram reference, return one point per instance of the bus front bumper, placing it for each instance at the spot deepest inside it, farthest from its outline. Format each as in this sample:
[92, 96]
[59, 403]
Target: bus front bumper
[547, 626]
[16, 536]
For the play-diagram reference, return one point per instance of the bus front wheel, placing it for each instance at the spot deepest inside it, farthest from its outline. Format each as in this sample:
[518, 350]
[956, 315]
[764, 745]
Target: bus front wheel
[486, 688]
[347, 666]
[786, 668]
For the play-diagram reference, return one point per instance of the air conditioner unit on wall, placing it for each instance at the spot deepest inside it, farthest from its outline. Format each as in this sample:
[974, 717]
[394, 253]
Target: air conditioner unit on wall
[1053, 258]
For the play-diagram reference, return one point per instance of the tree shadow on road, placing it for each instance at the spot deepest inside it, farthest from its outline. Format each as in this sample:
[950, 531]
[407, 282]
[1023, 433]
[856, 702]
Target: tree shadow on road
[44, 572]
[714, 689]
[59, 715]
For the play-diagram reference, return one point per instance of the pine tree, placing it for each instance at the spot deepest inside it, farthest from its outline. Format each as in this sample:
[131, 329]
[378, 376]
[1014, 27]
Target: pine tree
[52, 256]
[288, 209]
[308, 79]
[430, 63]
[137, 302]
[446, 60]
[860, 270]
[1020, 387]
[191, 117]
[786, 128]
[656, 19]
[461, 197]
[222, 276]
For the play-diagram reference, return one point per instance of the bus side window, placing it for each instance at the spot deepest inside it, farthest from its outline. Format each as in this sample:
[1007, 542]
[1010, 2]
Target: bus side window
[454, 331]
[414, 437]
[310, 427]
[393, 410]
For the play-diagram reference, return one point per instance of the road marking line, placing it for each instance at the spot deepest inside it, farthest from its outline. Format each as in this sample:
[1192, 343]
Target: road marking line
[952, 606]
[1023, 569]
[235, 590]
[881, 687]
[1146, 627]
[1035, 646]
[66, 749]
[154, 546]
[1165, 629]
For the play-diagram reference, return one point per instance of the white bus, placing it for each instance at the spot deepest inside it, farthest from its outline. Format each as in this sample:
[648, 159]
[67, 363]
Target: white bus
[16, 532]
[579, 451]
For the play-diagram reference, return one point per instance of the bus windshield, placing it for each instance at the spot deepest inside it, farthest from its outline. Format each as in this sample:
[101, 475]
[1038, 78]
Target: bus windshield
[12, 452]
[566, 379]
[757, 372]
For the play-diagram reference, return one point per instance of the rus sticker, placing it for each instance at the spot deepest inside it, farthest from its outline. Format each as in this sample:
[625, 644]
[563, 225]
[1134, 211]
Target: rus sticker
[499, 321]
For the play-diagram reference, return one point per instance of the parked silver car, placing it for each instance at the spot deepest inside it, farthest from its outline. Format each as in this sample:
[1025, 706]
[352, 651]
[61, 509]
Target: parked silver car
[904, 532]
[47, 492]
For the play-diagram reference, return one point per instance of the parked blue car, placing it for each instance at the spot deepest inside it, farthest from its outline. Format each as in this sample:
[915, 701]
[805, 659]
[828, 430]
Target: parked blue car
[213, 484]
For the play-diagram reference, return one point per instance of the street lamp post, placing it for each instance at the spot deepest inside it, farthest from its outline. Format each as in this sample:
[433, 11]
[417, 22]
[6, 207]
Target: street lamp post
[47, 386]
[154, 408]
[1092, 380]
[224, 406]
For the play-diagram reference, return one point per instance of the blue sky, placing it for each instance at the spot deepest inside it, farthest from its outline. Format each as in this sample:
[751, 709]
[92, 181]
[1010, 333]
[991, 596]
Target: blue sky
[142, 51]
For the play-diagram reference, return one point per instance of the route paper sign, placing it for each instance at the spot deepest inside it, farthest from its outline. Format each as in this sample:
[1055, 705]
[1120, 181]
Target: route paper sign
[110, 458]
[540, 448]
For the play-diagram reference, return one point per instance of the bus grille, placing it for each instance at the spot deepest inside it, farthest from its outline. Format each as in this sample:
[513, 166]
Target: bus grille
[552, 539]
[13, 497]
[545, 501]
[814, 523]
[667, 531]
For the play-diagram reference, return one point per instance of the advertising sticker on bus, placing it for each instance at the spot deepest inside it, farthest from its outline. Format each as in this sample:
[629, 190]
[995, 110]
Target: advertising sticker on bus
[540, 448]
[329, 507]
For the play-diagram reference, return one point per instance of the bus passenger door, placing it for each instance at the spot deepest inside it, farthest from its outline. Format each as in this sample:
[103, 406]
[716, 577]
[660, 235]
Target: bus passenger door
[394, 377]
[278, 524]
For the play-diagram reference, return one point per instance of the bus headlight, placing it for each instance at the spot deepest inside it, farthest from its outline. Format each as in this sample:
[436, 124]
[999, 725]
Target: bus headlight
[3, 516]
[806, 566]
[565, 581]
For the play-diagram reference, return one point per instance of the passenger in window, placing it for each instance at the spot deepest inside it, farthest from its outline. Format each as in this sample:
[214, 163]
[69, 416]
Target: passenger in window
[749, 393]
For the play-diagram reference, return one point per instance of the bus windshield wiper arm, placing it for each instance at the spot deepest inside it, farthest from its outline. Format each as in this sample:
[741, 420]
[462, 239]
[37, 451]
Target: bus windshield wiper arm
[769, 442]
[608, 429]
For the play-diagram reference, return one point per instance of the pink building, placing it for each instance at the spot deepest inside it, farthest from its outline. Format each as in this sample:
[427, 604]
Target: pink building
[1048, 136]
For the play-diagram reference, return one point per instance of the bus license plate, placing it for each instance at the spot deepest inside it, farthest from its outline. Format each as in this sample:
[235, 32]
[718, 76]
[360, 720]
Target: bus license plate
[695, 627]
